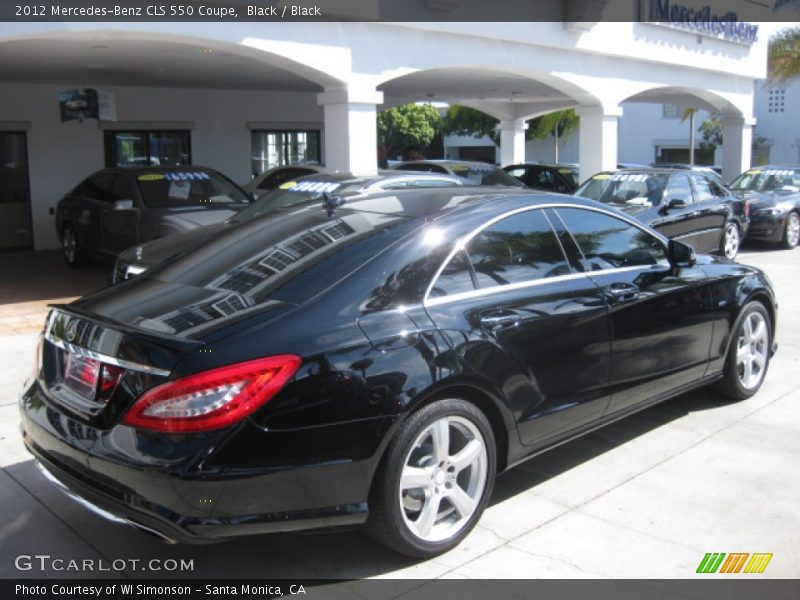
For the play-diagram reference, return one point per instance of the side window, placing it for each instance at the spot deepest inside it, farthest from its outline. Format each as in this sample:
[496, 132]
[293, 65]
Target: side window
[517, 249]
[122, 188]
[518, 172]
[455, 278]
[542, 179]
[678, 188]
[607, 242]
[99, 186]
[707, 189]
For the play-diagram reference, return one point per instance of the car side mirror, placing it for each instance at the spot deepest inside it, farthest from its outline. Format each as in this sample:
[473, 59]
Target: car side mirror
[677, 203]
[680, 254]
[123, 205]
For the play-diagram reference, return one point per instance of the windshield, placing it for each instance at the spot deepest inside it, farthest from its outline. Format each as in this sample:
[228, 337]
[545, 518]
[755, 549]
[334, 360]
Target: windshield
[485, 175]
[167, 189]
[625, 188]
[292, 193]
[767, 180]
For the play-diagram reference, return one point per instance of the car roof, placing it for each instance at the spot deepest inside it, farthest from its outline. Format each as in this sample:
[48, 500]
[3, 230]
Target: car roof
[383, 174]
[765, 167]
[446, 162]
[431, 203]
[536, 164]
[160, 168]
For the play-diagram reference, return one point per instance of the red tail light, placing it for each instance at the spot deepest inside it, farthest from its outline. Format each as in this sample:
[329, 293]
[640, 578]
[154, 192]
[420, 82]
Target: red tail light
[212, 399]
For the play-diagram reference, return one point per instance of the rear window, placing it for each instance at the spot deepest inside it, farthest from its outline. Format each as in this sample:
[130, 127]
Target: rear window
[164, 189]
[289, 257]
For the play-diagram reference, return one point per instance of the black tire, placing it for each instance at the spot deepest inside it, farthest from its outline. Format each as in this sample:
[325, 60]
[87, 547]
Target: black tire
[791, 229]
[731, 241]
[735, 385]
[388, 521]
[70, 248]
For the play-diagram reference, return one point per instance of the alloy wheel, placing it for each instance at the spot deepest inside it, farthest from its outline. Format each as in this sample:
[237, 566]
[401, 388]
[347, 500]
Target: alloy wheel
[443, 478]
[792, 230]
[731, 241]
[69, 245]
[751, 350]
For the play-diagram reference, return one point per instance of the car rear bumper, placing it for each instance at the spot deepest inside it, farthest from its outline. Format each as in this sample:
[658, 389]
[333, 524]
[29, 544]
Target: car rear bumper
[121, 476]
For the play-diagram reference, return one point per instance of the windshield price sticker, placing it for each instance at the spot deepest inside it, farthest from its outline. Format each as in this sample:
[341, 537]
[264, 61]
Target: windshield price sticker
[186, 175]
[628, 177]
[779, 172]
[314, 186]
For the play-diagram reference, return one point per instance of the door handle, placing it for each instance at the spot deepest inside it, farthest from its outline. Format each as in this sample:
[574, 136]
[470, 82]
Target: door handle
[499, 319]
[623, 292]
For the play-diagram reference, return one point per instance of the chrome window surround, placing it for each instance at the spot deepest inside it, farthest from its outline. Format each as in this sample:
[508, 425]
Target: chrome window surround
[86, 353]
[461, 244]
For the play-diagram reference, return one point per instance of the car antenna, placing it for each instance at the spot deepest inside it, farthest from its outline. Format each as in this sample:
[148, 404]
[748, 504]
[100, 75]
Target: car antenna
[331, 203]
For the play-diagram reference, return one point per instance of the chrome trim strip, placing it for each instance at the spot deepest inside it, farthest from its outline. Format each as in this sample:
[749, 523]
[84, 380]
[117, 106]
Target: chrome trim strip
[462, 242]
[86, 353]
[698, 232]
[497, 289]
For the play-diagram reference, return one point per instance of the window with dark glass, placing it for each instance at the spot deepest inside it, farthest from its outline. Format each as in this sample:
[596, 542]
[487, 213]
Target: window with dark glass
[147, 148]
[272, 149]
[455, 278]
[607, 242]
[517, 249]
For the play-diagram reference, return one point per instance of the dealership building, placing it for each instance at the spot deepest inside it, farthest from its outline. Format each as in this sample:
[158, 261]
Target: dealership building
[244, 96]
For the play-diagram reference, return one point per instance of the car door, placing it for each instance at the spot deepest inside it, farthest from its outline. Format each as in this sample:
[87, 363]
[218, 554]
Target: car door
[93, 198]
[519, 316]
[675, 214]
[120, 224]
[661, 316]
[711, 213]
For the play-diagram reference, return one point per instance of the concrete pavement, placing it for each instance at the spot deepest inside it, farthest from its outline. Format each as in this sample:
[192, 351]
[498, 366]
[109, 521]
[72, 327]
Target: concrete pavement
[646, 497]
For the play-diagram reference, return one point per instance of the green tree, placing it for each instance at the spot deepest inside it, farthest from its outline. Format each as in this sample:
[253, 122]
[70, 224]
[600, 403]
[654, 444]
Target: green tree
[407, 127]
[559, 124]
[711, 131]
[783, 59]
[463, 120]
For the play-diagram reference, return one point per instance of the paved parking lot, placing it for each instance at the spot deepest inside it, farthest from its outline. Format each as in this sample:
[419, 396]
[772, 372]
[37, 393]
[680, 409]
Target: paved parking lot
[646, 497]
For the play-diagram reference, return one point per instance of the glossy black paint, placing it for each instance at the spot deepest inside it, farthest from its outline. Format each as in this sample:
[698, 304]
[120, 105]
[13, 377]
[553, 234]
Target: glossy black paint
[771, 198]
[575, 354]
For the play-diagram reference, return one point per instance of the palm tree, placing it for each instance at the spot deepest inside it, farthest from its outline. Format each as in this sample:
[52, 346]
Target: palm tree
[783, 61]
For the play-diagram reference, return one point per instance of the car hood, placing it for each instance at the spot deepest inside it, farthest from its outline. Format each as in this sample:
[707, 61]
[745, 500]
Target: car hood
[185, 218]
[155, 251]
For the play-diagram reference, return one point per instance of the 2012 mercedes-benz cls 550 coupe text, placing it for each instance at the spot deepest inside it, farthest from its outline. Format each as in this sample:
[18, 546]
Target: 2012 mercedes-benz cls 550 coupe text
[378, 361]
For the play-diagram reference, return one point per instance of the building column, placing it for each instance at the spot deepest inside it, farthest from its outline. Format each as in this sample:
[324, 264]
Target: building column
[597, 139]
[512, 142]
[351, 132]
[737, 145]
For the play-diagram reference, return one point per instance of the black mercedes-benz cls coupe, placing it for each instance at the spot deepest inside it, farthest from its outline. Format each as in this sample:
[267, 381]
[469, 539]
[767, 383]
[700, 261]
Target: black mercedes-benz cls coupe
[377, 362]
